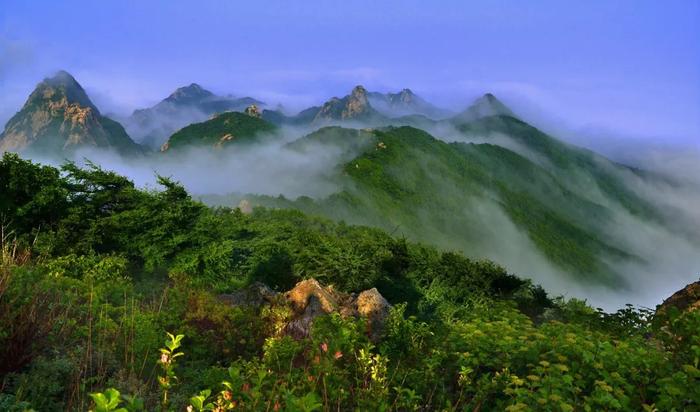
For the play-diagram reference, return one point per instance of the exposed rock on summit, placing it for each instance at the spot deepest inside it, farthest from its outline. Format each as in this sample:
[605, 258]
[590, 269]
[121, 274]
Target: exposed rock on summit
[355, 106]
[253, 111]
[59, 116]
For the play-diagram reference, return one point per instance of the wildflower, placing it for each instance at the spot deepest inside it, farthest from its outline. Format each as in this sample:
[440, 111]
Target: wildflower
[189, 408]
[276, 407]
[338, 354]
[324, 347]
[164, 358]
[246, 387]
[310, 378]
[228, 395]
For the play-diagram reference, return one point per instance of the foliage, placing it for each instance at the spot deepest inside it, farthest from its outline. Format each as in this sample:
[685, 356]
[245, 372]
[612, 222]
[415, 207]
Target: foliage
[90, 285]
[239, 127]
[450, 194]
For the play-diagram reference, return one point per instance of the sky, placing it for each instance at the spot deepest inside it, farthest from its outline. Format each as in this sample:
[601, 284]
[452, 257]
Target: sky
[601, 68]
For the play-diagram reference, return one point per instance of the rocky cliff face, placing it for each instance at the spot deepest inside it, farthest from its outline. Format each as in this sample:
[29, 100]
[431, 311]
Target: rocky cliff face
[355, 106]
[59, 116]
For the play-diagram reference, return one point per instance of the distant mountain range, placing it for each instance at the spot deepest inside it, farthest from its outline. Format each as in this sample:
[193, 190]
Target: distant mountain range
[405, 103]
[60, 116]
[393, 171]
[186, 105]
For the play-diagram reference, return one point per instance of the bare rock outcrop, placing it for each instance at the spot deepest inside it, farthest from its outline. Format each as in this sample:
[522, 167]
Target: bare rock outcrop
[308, 300]
[372, 305]
[308, 291]
[253, 111]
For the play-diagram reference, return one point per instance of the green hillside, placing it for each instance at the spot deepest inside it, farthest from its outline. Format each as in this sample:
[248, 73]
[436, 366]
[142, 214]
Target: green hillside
[410, 183]
[222, 130]
[575, 162]
[95, 273]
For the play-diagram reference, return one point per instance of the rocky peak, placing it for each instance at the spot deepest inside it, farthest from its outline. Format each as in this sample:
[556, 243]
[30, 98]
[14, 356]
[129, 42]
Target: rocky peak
[62, 79]
[404, 96]
[188, 94]
[359, 92]
[62, 89]
[59, 115]
[484, 106]
[488, 103]
[353, 106]
[357, 104]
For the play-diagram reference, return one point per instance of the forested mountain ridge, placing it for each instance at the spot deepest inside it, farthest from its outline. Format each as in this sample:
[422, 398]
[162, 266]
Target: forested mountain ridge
[404, 180]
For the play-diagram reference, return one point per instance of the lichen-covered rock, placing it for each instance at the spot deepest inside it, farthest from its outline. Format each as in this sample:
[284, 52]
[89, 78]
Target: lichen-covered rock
[300, 296]
[372, 305]
[309, 299]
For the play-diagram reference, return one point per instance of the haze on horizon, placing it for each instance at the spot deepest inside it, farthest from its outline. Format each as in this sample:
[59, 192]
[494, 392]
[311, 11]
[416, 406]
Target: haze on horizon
[602, 71]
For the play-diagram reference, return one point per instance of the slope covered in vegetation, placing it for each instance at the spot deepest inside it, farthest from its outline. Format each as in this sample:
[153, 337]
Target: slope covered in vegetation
[223, 129]
[95, 272]
[455, 196]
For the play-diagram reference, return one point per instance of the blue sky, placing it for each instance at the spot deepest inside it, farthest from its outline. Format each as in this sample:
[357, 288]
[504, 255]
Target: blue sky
[630, 68]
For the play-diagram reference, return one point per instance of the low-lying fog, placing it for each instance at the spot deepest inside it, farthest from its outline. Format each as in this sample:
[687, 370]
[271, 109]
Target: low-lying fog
[672, 255]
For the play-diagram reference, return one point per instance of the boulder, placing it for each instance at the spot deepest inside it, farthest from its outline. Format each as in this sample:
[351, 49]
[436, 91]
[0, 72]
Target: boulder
[309, 299]
[300, 296]
[372, 305]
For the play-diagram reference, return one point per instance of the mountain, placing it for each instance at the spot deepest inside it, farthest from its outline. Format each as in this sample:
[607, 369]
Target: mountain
[222, 130]
[186, 105]
[354, 106]
[536, 196]
[404, 103]
[59, 117]
[486, 105]
[582, 169]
